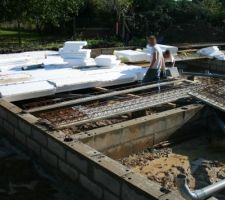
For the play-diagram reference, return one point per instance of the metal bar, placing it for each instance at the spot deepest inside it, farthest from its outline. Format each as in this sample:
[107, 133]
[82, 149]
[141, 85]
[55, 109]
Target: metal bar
[97, 97]
[101, 89]
[208, 101]
[103, 112]
[204, 75]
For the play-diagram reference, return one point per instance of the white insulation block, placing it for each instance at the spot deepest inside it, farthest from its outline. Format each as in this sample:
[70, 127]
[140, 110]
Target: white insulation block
[81, 54]
[73, 46]
[131, 56]
[106, 60]
[76, 83]
[17, 92]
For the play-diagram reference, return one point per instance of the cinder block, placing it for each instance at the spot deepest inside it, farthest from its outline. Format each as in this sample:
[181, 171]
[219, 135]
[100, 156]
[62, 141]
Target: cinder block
[1, 123]
[91, 186]
[109, 196]
[68, 171]
[153, 125]
[107, 51]
[49, 158]
[140, 187]
[95, 53]
[108, 181]
[12, 119]
[31, 119]
[105, 140]
[21, 137]
[5, 104]
[56, 148]
[3, 113]
[133, 132]
[24, 127]
[76, 161]
[16, 110]
[9, 128]
[132, 194]
[173, 195]
[39, 136]
[34, 146]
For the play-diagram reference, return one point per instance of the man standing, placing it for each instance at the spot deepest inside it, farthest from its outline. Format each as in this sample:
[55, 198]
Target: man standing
[157, 63]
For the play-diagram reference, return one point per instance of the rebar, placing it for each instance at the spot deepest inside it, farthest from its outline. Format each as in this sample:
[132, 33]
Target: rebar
[101, 96]
[90, 114]
[212, 94]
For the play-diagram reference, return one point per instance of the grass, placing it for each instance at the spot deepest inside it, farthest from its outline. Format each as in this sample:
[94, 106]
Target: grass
[34, 41]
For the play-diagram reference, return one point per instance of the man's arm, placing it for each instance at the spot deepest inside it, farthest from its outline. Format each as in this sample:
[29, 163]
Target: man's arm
[173, 61]
[153, 60]
[163, 65]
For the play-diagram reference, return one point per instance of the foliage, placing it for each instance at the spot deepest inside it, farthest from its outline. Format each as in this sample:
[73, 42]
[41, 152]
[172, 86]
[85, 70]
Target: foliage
[121, 6]
[15, 9]
[135, 18]
[55, 11]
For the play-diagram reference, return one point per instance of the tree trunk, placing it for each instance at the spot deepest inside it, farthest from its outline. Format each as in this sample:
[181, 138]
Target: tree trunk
[19, 33]
[38, 26]
[123, 28]
[74, 28]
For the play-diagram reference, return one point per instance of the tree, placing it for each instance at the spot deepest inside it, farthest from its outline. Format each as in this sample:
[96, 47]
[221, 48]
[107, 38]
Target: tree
[153, 16]
[17, 10]
[120, 8]
[55, 12]
[212, 6]
[2, 7]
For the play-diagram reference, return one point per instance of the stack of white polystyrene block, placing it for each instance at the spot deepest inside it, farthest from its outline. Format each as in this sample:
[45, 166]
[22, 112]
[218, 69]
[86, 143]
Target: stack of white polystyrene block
[131, 56]
[73, 53]
[212, 52]
[107, 61]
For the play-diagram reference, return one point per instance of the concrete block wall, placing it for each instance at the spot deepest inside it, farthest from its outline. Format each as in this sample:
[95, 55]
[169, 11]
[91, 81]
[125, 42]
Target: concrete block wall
[209, 64]
[133, 136]
[100, 175]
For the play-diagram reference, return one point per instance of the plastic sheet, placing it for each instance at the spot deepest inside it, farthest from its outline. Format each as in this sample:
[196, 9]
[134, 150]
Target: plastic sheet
[212, 52]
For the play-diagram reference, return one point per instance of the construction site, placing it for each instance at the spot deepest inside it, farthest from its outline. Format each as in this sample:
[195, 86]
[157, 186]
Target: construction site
[90, 119]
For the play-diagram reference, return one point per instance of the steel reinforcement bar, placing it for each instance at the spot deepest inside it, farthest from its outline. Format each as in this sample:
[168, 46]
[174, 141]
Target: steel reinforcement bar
[102, 96]
[120, 108]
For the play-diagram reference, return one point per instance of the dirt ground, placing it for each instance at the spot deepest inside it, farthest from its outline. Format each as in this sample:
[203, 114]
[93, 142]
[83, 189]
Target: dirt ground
[201, 163]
